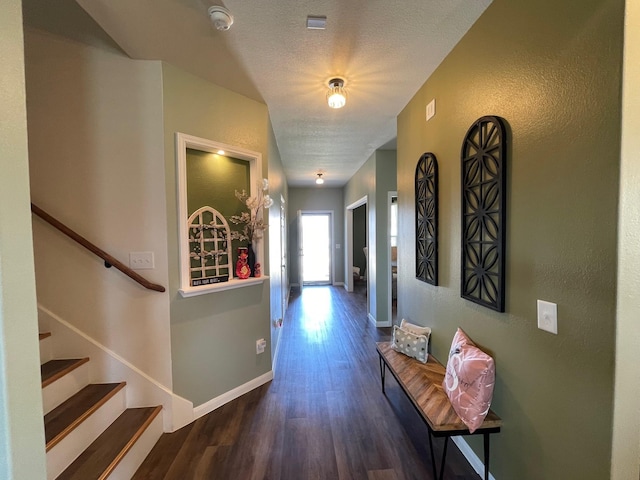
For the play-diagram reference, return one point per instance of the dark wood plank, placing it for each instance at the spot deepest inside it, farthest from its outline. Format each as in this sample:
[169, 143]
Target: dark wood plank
[322, 417]
[104, 454]
[63, 419]
[55, 369]
[164, 453]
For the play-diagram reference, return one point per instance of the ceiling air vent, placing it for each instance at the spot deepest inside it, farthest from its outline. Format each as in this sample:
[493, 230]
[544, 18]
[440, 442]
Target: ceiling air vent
[316, 23]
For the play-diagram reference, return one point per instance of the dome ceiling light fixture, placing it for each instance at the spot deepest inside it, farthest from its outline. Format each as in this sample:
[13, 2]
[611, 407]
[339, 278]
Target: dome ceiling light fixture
[336, 95]
[319, 180]
[220, 17]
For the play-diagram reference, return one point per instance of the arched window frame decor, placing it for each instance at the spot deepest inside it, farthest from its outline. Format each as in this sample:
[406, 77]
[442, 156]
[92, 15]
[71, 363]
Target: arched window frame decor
[426, 186]
[254, 161]
[484, 196]
[209, 247]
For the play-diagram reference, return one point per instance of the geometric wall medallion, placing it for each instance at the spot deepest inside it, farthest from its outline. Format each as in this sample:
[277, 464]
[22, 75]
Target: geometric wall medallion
[426, 184]
[483, 173]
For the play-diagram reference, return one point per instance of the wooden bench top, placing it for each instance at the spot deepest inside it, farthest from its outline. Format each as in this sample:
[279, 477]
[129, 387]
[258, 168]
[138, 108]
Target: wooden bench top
[422, 382]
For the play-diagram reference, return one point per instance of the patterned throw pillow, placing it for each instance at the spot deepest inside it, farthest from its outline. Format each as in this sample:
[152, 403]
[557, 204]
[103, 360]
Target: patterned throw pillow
[415, 329]
[410, 344]
[469, 380]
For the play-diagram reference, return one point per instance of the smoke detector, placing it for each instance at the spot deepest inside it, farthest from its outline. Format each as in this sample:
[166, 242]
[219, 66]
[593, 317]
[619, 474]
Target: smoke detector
[220, 17]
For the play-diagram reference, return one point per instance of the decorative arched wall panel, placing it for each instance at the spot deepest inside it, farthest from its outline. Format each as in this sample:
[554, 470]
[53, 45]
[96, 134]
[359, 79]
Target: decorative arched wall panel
[483, 158]
[426, 184]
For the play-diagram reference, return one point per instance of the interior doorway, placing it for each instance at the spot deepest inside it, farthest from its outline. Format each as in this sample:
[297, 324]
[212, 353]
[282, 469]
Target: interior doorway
[392, 205]
[315, 247]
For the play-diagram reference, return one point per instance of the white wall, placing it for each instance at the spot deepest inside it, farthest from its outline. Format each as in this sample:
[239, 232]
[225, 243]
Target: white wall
[625, 462]
[21, 427]
[97, 164]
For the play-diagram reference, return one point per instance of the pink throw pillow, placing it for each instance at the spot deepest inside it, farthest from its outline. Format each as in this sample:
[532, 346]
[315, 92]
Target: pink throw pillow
[469, 380]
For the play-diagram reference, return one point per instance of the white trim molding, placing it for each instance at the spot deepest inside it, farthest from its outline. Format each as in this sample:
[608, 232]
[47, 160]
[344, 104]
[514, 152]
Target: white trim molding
[107, 366]
[227, 397]
[471, 456]
[254, 159]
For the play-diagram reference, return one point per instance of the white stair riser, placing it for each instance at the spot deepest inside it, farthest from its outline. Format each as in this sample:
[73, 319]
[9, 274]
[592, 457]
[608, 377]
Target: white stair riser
[65, 387]
[134, 458]
[69, 448]
[45, 350]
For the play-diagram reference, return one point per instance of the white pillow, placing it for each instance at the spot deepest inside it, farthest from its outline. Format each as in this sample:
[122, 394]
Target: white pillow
[415, 329]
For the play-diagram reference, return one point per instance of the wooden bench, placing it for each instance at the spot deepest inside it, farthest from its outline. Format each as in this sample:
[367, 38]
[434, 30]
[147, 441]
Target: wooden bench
[422, 383]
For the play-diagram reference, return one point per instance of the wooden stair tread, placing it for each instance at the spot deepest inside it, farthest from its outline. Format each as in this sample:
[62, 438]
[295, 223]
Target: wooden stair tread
[43, 335]
[55, 369]
[63, 419]
[104, 454]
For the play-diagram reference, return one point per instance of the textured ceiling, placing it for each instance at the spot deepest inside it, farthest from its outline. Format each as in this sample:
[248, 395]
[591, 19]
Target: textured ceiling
[384, 49]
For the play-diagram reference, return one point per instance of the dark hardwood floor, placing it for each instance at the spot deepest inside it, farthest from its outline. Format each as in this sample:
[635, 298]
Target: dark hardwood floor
[323, 416]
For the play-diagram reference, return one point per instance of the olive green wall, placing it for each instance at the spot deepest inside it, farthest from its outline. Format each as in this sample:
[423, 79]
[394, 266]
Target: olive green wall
[552, 70]
[213, 336]
[360, 237]
[213, 179]
[21, 429]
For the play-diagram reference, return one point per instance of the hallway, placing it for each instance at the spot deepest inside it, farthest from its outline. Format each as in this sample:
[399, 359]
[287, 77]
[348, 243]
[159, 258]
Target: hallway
[322, 417]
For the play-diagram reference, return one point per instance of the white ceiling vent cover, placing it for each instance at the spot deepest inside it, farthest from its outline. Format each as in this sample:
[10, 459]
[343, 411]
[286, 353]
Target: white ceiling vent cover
[316, 23]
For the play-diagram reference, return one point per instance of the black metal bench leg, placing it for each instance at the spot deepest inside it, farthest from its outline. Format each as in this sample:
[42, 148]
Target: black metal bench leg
[433, 459]
[383, 366]
[486, 456]
[444, 456]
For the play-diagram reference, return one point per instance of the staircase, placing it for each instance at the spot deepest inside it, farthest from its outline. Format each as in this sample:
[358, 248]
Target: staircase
[90, 433]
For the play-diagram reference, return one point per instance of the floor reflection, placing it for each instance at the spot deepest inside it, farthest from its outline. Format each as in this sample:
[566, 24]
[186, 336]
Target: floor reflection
[316, 313]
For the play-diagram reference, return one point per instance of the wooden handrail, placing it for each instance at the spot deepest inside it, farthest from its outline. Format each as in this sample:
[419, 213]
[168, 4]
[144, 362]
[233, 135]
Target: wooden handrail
[108, 259]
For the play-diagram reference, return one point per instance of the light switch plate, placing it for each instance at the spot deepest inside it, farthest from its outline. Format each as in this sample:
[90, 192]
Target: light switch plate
[548, 316]
[141, 260]
[431, 109]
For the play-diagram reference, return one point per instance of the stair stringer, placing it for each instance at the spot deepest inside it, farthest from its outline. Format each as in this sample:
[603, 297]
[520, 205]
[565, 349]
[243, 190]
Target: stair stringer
[107, 366]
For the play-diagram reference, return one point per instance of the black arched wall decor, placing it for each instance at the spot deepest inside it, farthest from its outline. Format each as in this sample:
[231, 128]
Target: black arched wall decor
[427, 219]
[483, 158]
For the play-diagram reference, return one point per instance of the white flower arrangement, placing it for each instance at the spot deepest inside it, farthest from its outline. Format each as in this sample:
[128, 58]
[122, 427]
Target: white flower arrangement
[252, 219]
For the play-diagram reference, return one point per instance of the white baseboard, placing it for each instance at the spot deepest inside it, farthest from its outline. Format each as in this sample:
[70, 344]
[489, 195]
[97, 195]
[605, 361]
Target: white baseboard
[383, 324]
[471, 456]
[274, 363]
[372, 319]
[221, 400]
[338, 284]
[108, 366]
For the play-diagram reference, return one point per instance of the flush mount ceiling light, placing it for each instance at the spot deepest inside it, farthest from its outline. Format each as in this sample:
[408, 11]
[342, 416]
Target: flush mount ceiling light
[336, 96]
[220, 17]
[319, 180]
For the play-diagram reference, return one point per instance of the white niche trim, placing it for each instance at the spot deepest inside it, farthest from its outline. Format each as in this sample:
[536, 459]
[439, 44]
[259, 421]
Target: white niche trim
[254, 159]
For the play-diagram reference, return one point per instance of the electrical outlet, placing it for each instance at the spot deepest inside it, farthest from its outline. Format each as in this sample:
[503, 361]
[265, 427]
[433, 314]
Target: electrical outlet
[260, 346]
[548, 316]
[141, 260]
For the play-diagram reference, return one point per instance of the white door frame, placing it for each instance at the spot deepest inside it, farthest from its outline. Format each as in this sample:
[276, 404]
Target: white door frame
[284, 276]
[348, 251]
[390, 196]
